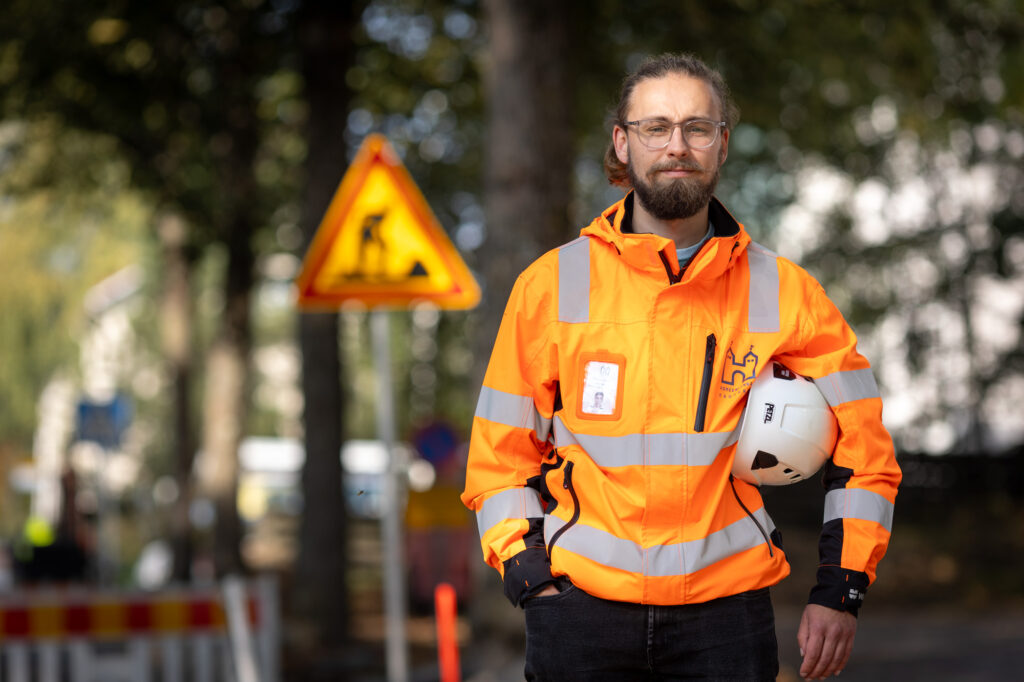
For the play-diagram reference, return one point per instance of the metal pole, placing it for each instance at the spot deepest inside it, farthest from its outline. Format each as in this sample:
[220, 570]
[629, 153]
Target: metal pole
[391, 521]
[243, 648]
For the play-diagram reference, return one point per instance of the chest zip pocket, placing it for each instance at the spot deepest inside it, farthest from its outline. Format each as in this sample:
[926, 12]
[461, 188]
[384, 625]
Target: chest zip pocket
[567, 484]
[705, 383]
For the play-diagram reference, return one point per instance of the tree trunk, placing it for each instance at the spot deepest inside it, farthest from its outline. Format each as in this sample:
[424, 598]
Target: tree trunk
[176, 328]
[971, 440]
[226, 405]
[530, 153]
[319, 597]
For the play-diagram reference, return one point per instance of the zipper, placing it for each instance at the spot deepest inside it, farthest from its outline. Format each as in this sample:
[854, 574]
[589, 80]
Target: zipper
[705, 383]
[672, 279]
[764, 534]
[566, 484]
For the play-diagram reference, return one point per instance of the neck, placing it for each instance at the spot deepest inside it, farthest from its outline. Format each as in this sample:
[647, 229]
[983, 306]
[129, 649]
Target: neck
[683, 231]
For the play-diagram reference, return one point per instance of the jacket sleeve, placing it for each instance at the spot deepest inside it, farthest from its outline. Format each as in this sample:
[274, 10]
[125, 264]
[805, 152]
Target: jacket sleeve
[862, 476]
[510, 442]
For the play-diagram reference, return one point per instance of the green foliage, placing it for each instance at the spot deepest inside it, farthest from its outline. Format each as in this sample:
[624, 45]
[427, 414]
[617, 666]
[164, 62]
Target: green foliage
[197, 104]
[65, 232]
[195, 93]
[921, 230]
[804, 73]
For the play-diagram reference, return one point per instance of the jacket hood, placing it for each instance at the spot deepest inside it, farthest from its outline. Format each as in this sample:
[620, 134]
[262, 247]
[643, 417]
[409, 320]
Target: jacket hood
[651, 252]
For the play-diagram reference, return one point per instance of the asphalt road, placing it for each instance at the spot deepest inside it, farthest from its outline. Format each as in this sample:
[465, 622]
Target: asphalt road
[903, 646]
[937, 646]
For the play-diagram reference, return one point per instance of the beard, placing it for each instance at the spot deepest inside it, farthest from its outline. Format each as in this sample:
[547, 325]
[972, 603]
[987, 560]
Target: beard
[676, 198]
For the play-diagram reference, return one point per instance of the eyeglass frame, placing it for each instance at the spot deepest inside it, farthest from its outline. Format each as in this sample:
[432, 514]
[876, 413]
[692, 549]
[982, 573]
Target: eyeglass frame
[719, 125]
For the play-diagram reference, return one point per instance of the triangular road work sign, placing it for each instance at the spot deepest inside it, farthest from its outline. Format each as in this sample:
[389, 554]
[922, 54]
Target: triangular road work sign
[380, 243]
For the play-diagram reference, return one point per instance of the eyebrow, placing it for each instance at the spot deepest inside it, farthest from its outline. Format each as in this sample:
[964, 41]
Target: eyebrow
[668, 120]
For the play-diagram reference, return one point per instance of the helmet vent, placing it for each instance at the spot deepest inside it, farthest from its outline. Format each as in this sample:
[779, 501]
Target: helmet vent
[764, 460]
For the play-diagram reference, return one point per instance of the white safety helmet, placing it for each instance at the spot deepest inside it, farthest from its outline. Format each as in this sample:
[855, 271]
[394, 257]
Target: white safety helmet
[787, 430]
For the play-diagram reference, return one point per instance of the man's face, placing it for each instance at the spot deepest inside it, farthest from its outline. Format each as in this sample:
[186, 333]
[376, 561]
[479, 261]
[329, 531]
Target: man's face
[675, 182]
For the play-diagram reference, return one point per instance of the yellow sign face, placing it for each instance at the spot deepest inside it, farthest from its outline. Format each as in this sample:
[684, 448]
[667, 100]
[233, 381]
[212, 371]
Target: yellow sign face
[380, 243]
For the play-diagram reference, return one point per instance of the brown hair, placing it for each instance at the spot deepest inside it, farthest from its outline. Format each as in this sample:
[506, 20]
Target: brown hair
[657, 67]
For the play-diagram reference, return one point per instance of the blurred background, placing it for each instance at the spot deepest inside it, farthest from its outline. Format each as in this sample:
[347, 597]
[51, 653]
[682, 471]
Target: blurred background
[167, 416]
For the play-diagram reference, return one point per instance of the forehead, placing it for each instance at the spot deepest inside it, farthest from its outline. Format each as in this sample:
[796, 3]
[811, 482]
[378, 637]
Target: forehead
[675, 96]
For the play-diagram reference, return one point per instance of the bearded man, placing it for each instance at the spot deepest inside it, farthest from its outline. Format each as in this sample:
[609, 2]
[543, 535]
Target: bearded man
[621, 531]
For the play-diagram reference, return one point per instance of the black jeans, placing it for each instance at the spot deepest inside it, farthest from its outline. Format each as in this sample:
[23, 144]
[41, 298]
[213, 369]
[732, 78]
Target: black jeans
[574, 636]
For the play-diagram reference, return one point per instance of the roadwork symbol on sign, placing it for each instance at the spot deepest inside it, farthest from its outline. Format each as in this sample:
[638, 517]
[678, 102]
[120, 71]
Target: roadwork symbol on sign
[380, 243]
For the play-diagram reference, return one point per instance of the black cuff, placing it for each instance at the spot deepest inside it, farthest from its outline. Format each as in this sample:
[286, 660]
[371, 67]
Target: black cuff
[526, 574]
[839, 588]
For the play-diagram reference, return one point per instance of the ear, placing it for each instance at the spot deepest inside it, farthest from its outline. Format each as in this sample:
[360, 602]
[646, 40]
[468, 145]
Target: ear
[621, 142]
[724, 151]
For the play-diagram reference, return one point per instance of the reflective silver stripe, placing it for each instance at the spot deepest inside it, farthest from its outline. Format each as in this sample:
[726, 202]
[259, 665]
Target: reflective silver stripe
[763, 312]
[679, 558]
[856, 503]
[734, 436]
[574, 281]
[517, 411]
[694, 449]
[845, 387]
[514, 503]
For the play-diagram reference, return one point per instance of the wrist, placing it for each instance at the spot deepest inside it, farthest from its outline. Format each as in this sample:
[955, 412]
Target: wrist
[840, 589]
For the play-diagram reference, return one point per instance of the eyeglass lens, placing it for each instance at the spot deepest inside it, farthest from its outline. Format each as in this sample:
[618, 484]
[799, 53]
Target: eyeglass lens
[697, 134]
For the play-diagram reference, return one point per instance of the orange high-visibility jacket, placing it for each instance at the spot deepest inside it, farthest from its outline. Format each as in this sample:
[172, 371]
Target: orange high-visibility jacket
[603, 438]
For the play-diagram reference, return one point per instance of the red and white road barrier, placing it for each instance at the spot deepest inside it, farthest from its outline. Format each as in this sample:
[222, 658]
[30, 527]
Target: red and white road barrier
[184, 633]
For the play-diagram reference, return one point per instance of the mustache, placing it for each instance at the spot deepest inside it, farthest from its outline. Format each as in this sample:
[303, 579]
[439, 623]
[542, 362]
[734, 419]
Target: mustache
[676, 165]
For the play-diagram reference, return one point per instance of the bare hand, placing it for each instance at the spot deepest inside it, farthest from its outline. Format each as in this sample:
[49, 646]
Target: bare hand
[826, 640]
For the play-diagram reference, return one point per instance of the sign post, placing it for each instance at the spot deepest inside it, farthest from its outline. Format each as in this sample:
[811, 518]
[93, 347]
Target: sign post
[380, 243]
[394, 494]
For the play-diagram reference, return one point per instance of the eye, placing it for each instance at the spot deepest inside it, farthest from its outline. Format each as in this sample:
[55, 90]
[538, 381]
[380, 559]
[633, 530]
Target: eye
[655, 128]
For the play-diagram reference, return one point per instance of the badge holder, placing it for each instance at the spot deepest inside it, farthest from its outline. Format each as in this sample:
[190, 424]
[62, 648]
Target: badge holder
[602, 376]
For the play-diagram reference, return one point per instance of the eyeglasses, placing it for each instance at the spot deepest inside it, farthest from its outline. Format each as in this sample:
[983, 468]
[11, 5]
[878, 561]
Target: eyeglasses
[656, 133]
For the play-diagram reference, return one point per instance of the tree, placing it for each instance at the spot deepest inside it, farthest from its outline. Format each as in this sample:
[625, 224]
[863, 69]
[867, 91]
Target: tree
[178, 86]
[325, 33]
[177, 326]
[530, 147]
[62, 232]
[915, 231]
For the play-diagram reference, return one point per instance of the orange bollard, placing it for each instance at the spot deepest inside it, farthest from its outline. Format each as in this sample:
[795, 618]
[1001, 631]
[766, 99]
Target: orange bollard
[447, 637]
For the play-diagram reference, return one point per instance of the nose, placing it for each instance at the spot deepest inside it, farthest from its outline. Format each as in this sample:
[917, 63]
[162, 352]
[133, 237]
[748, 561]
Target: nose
[676, 144]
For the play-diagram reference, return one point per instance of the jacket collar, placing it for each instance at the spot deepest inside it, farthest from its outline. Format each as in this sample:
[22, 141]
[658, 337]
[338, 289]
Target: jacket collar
[649, 252]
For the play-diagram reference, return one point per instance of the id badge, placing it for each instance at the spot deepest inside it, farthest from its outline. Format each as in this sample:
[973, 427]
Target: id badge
[602, 376]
